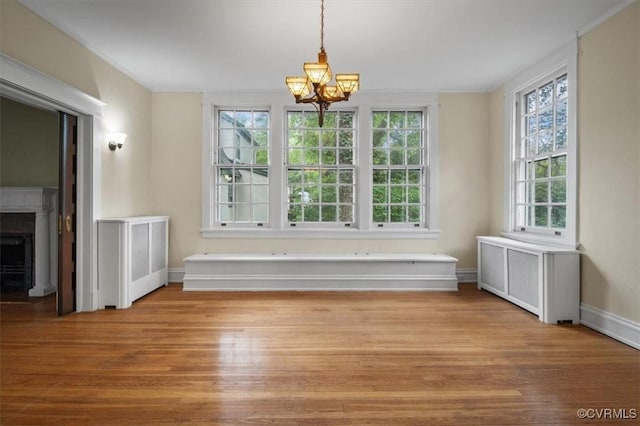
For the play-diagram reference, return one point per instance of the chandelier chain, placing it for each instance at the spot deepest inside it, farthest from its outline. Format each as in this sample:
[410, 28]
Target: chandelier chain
[313, 88]
[322, 25]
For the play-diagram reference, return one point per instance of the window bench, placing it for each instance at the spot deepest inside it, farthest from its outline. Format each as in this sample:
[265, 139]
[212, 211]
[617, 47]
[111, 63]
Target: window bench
[332, 272]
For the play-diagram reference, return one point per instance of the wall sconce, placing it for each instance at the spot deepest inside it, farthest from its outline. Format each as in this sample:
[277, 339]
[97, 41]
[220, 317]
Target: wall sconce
[116, 140]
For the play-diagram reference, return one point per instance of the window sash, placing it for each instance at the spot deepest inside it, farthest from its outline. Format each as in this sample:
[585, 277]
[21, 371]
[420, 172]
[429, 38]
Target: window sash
[320, 166]
[398, 167]
[241, 168]
[541, 113]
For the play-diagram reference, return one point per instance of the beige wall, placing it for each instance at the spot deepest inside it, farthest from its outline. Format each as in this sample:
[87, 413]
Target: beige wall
[176, 169]
[609, 164]
[496, 161]
[464, 206]
[464, 175]
[126, 183]
[28, 145]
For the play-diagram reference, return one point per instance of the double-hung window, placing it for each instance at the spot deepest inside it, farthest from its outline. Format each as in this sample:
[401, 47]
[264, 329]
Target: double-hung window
[242, 166]
[541, 157]
[398, 168]
[542, 178]
[270, 171]
[320, 168]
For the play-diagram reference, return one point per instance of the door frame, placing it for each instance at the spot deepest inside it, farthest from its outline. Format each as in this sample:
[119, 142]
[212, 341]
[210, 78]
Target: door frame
[27, 85]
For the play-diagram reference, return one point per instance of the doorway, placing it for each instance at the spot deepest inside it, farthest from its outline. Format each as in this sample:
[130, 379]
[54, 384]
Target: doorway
[29, 86]
[39, 159]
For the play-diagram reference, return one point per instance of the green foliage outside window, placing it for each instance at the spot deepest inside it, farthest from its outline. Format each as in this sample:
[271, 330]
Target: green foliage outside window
[398, 166]
[320, 171]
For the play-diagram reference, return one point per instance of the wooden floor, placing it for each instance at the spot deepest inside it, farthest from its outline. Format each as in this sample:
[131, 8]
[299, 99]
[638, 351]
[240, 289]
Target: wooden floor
[466, 358]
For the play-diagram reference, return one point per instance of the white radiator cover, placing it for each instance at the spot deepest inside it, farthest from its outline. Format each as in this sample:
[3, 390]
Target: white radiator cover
[132, 258]
[541, 279]
[335, 272]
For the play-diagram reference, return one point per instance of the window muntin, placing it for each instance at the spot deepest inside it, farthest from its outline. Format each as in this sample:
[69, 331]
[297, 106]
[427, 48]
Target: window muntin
[320, 168]
[242, 166]
[398, 167]
[541, 157]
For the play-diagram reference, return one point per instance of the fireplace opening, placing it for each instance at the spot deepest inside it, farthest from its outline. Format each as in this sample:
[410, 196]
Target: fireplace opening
[16, 266]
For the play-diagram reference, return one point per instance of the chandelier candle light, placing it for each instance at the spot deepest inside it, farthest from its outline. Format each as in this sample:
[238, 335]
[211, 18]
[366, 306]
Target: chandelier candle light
[318, 75]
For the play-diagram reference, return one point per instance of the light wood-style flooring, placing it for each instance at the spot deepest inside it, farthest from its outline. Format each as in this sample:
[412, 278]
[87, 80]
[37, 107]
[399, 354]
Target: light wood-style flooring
[313, 358]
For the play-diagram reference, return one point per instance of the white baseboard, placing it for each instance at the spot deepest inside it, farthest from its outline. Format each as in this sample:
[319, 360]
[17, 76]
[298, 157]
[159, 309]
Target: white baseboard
[617, 327]
[176, 275]
[467, 275]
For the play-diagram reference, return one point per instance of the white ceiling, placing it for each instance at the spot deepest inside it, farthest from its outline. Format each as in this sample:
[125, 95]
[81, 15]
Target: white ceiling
[251, 45]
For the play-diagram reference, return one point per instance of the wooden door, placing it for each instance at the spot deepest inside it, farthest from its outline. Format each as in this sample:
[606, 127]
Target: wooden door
[67, 215]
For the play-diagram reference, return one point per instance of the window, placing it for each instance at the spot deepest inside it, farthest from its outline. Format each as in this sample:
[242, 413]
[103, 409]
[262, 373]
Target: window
[541, 163]
[542, 152]
[320, 167]
[398, 190]
[269, 170]
[242, 167]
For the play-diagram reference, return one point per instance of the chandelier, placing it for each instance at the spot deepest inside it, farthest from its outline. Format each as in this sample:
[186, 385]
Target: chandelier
[318, 75]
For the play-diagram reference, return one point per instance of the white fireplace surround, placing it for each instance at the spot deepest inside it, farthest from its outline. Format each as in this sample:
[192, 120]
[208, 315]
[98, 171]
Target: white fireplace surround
[42, 202]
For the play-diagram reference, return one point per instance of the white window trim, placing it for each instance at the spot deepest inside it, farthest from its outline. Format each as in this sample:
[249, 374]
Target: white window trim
[565, 58]
[363, 104]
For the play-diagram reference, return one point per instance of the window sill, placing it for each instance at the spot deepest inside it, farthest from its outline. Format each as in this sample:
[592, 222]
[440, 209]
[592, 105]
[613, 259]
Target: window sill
[346, 234]
[547, 240]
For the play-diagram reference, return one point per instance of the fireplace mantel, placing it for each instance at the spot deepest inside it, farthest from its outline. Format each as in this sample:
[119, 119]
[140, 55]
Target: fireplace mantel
[43, 202]
[27, 199]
